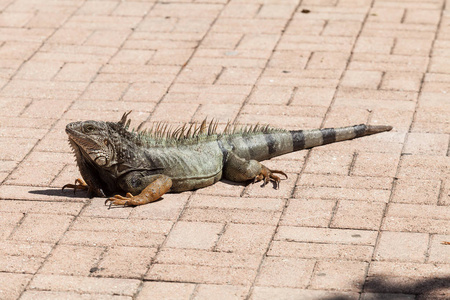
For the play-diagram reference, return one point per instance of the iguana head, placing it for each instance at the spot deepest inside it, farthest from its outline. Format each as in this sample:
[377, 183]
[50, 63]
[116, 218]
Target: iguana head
[92, 139]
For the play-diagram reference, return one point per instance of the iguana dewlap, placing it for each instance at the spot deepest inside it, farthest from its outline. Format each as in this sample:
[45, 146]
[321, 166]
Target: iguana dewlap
[113, 160]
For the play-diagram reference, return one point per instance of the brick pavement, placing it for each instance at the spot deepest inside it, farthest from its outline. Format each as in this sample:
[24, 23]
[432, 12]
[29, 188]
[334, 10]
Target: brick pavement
[364, 219]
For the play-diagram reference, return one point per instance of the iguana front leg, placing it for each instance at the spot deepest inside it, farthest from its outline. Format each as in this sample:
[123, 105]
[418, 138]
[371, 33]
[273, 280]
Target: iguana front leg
[80, 184]
[239, 169]
[158, 186]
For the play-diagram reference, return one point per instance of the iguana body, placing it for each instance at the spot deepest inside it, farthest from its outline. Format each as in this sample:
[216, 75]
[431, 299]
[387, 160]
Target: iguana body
[113, 160]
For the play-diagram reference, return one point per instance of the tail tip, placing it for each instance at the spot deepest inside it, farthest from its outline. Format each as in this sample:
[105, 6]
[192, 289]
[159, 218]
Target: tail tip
[372, 129]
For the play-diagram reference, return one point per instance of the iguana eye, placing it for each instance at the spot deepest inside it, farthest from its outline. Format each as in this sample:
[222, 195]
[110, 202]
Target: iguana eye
[88, 128]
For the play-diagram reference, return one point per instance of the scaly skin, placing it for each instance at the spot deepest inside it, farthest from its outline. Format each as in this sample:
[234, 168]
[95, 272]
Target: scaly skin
[113, 160]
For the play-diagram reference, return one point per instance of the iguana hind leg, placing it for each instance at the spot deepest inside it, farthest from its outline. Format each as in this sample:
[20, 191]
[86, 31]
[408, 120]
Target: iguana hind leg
[239, 169]
[157, 187]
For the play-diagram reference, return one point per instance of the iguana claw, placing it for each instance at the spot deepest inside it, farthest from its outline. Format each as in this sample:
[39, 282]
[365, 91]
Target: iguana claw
[79, 184]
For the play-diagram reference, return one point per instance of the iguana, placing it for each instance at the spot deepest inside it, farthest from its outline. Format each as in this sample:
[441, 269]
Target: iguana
[144, 164]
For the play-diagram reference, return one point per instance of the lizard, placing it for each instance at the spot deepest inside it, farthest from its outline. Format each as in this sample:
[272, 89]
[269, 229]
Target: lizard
[145, 164]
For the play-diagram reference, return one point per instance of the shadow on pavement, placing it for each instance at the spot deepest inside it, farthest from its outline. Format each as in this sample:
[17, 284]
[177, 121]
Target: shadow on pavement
[381, 288]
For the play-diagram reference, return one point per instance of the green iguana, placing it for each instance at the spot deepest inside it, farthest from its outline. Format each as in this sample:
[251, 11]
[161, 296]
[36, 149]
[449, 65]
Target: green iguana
[114, 160]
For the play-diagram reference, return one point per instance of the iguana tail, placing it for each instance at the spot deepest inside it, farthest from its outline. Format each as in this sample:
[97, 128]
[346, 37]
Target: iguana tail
[267, 145]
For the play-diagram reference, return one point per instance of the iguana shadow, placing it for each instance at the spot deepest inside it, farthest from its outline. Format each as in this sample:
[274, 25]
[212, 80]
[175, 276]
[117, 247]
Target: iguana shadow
[381, 288]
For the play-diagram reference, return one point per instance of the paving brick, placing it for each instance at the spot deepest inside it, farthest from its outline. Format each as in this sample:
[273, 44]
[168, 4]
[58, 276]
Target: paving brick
[381, 45]
[201, 274]
[34, 294]
[424, 167]
[416, 191]
[72, 260]
[308, 212]
[367, 164]
[362, 79]
[129, 262]
[13, 285]
[411, 218]
[328, 60]
[208, 258]
[427, 143]
[194, 235]
[209, 291]
[408, 246]
[166, 290]
[339, 275]
[316, 96]
[308, 250]
[110, 286]
[267, 293]
[110, 238]
[402, 81]
[328, 163]
[245, 216]
[285, 272]
[438, 250]
[326, 235]
[358, 215]
[42, 228]
[243, 238]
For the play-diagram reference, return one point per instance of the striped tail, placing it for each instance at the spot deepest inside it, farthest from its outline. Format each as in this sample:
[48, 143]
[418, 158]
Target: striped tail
[304, 139]
[267, 145]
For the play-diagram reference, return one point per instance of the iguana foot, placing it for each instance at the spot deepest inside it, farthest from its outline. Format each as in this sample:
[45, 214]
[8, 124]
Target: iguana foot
[78, 185]
[151, 193]
[268, 175]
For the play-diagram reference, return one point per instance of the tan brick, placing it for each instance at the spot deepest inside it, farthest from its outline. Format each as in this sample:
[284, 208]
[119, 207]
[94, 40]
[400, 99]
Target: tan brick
[362, 79]
[110, 238]
[13, 285]
[422, 16]
[439, 252]
[320, 251]
[374, 163]
[326, 235]
[72, 260]
[194, 235]
[243, 238]
[267, 293]
[328, 60]
[412, 46]
[381, 45]
[110, 286]
[402, 246]
[427, 143]
[201, 274]
[402, 81]
[339, 275]
[417, 191]
[166, 290]
[42, 228]
[285, 272]
[424, 167]
[328, 163]
[358, 215]
[308, 212]
[129, 262]
[386, 14]
[209, 291]
[342, 28]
